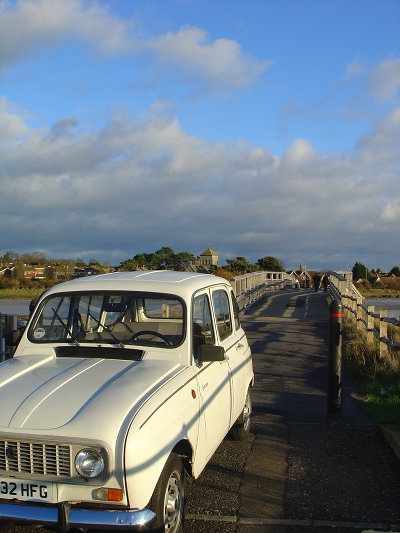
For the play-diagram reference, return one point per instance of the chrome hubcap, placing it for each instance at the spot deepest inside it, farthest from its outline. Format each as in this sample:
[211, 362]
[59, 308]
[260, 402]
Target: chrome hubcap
[173, 502]
[247, 411]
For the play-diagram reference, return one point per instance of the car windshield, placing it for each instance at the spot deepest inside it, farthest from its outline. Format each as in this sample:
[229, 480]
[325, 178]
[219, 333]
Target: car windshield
[120, 318]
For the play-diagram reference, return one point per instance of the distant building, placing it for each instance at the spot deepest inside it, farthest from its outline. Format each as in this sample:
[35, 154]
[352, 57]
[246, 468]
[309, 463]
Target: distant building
[206, 262]
[35, 273]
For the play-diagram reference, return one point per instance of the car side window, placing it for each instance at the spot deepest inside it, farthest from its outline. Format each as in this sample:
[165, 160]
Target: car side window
[235, 311]
[222, 313]
[203, 331]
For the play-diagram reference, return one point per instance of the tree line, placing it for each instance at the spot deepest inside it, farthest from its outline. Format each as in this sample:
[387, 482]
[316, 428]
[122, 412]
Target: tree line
[361, 272]
[164, 258]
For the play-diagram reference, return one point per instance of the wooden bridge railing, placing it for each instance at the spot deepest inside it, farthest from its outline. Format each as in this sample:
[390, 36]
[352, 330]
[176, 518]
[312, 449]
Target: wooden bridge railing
[249, 288]
[373, 326]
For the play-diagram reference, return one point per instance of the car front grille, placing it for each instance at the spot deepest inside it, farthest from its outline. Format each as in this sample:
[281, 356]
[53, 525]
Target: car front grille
[41, 458]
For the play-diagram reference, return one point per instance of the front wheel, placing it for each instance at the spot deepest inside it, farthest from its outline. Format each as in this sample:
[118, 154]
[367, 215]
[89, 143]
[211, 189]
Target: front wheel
[241, 428]
[168, 498]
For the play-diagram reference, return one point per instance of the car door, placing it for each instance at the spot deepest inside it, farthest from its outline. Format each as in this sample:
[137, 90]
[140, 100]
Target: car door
[233, 339]
[213, 382]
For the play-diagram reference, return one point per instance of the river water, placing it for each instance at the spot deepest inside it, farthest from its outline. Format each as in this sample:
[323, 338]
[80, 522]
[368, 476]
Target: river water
[14, 307]
[392, 306]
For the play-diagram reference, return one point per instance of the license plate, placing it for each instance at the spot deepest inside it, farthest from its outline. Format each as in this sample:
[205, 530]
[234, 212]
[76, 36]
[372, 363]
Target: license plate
[26, 490]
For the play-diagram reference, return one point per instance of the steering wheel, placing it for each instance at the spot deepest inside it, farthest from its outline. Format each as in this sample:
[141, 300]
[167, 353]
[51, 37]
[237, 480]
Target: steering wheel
[154, 333]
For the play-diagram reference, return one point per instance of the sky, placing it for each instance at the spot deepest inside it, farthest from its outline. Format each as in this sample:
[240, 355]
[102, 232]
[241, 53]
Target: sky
[257, 127]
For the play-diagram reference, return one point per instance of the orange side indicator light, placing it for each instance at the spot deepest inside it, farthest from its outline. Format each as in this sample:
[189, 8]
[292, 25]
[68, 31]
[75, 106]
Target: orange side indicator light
[109, 495]
[114, 495]
[193, 394]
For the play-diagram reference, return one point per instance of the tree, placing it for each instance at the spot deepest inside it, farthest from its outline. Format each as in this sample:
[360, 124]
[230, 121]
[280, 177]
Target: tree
[95, 263]
[239, 265]
[396, 271]
[26, 259]
[38, 258]
[182, 260]
[271, 264]
[140, 261]
[129, 264]
[19, 270]
[166, 255]
[152, 261]
[10, 256]
[50, 273]
[360, 271]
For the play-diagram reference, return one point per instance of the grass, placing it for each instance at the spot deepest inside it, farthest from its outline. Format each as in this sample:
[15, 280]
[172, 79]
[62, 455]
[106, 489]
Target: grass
[18, 294]
[379, 381]
[379, 293]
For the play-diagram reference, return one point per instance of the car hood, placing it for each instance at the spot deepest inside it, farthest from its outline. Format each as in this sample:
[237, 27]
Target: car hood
[44, 392]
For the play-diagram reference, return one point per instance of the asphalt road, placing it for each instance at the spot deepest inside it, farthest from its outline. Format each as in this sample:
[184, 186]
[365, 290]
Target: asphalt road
[299, 471]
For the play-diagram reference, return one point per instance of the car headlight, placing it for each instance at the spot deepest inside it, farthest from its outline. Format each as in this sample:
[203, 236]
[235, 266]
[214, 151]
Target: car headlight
[89, 463]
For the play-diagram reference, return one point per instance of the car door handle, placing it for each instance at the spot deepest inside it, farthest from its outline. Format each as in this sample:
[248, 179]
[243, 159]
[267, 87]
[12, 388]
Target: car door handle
[239, 346]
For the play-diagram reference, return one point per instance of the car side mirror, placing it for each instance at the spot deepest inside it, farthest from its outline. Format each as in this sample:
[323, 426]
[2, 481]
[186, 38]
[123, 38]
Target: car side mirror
[207, 353]
[13, 338]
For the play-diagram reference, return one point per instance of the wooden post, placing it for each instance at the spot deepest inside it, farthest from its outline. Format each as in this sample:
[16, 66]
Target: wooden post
[383, 347]
[360, 311]
[354, 307]
[370, 322]
[347, 303]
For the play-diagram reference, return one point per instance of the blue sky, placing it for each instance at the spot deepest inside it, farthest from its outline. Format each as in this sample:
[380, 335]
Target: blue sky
[259, 127]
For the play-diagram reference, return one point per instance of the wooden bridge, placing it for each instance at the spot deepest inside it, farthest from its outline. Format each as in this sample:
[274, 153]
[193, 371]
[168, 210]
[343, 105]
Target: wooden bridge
[373, 326]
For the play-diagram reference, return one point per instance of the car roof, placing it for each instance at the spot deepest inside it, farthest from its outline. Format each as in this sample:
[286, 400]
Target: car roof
[182, 284]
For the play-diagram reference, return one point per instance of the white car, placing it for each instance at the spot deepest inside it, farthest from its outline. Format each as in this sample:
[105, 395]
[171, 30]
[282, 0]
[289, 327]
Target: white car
[120, 386]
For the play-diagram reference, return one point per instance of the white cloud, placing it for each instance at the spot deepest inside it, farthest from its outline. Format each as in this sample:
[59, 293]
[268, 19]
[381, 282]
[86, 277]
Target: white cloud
[30, 26]
[12, 126]
[135, 186]
[299, 153]
[391, 212]
[220, 63]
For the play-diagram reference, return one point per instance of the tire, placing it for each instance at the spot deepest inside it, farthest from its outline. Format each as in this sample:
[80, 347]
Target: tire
[168, 498]
[241, 429]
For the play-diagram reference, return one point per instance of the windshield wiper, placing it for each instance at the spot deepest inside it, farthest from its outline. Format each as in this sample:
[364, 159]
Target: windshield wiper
[109, 331]
[65, 326]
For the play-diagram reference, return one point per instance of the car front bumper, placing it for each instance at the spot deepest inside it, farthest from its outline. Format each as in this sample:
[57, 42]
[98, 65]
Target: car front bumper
[64, 516]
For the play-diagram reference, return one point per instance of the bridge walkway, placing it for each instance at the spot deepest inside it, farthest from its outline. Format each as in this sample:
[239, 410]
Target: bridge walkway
[301, 471]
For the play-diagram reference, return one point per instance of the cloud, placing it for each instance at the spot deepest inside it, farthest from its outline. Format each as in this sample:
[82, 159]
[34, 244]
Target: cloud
[12, 126]
[359, 85]
[63, 127]
[381, 81]
[135, 185]
[299, 152]
[220, 63]
[30, 26]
